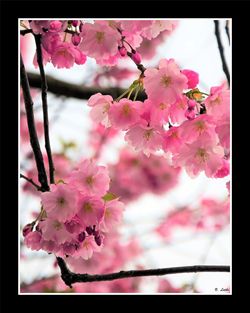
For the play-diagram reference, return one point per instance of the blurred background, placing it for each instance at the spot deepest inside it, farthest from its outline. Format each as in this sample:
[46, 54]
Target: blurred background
[184, 223]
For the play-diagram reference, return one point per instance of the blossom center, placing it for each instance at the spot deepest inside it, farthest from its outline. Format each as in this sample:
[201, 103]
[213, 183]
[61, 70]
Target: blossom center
[216, 101]
[100, 37]
[57, 225]
[106, 108]
[89, 180]
[163, 106]
[202, 154]
[200, 126]
[126, 109]
[166, 81]
[61, 201]
[87, 207]
[148, 134]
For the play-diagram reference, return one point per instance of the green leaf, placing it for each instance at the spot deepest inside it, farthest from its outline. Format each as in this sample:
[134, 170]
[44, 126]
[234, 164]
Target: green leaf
[109, 196]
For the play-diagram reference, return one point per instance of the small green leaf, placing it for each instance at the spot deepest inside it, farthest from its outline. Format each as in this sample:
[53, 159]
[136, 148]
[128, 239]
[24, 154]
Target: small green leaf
[109, 196]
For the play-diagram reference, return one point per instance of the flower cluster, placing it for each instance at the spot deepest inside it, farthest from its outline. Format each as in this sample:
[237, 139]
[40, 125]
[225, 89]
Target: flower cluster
[175, 118]
[69, 42]
[211, 216]
[75, 214]
[135, 174]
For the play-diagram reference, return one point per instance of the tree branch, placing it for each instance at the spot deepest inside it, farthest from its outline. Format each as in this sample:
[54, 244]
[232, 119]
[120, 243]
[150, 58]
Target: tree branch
[66, 89]
[221, 50]
[44, 88]
[71, 278]
[31, 181]
[42, 176]
[227, 31]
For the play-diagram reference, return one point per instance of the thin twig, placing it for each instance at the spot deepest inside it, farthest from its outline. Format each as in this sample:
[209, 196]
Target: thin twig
[44, 88]
[221, 50]
[227, 30]
[70, 278]
[31, 181]
[42, 176]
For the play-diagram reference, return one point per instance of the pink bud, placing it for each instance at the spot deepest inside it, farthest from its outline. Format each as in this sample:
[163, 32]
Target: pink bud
[190, 114]
[74, 23]
[75, 39]
[81, 236]
[27, 229]
[55, 26]
[98, 240]
[136, 57]
[123, 51]
[193, 78]
[191, 104]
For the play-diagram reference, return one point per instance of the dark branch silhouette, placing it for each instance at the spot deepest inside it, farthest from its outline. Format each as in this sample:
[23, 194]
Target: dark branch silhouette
[221, 50]
[71, 278]
[44, 88]
[61, 88]
[227, 30]
[42, 176]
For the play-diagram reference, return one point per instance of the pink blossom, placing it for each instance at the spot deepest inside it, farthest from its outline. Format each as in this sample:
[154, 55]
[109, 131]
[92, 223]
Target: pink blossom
[60, 202]
[136, 57]
[172, 140]
[90, 210]
[158, 26]
[65, 55]
[125, 113]
[218, 103]
[223, 132]
[201, 155]
[193, 78]
[86, 248]
[135, 26]
[112, 214]
[193, 129]
[100, 107]
[90, 178]
[154, 113]
[50, 246]
[33, 240]
[144, 138]
[223, 171]
[74, 225]
[50, 41]
[165, 84]
[178, 109]
[55, 26]
[54, 230]
[99, 41]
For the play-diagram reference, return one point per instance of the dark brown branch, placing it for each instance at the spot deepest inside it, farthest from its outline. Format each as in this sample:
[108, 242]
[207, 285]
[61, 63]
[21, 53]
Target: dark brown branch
[44, 88]
[227, 31]
[42, 176]
[66, 89]
[221, 50]
[31, 181]
[26, 31]
[70, 278]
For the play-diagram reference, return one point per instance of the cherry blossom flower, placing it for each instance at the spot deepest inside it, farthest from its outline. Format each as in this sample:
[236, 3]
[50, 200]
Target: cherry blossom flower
[201, 155]
[90, 179]
[90, 210]
[54, 230]
[218, 103]
[86, 248]
[100, 107]
[99, 41]
[33, 240]
[60, 202]
[112, 214]
[125, 113]
[165, 84]
[144, 138]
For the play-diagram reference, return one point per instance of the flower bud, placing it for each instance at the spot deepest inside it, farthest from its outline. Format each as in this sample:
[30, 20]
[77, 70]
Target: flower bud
[75, 39]
[74, 23]
[98, 240]
[89, 230]
[136, 57]
[123, 51]
[27, 229]
[190, 114]
[81, 237]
